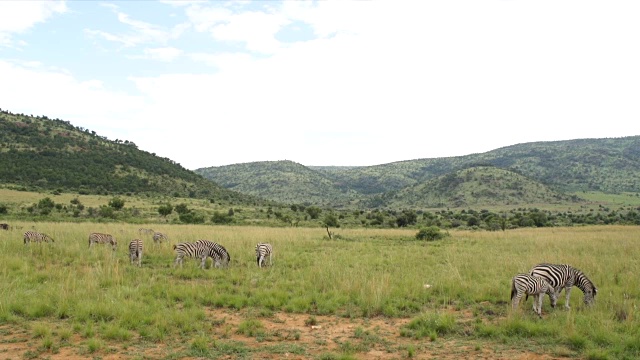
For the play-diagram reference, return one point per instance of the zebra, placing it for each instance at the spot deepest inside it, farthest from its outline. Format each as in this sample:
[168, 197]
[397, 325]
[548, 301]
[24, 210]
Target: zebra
[525, 284]
[262, 251]
[98, 238]
[565, 276]
[195, 250]
[217, 253]
[135, 251]
[30, 236]
[159, 237]
[144, 231]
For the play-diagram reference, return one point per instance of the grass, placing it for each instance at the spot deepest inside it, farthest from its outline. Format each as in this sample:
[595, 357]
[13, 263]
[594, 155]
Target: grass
[65, 290]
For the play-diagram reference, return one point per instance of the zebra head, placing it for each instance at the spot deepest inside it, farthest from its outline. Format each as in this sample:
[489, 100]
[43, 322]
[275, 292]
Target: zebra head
[588, 288]
[590, 294]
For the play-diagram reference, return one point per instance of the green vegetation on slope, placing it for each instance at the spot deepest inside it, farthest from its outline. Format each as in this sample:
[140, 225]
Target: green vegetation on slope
[549, 172]
[41, 153]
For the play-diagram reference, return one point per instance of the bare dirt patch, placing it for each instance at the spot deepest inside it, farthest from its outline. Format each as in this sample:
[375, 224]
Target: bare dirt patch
[277, 336]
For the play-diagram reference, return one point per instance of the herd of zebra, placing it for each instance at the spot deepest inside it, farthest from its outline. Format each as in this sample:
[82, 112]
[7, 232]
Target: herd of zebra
[550, 279]
[201, 249]
[542, 279]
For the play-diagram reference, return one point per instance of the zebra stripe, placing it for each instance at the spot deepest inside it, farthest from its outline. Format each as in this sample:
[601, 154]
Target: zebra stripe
[33, 236]
[262, 251]
[144, 231]
[525, 284]
[193, 250]
[159, 237]
[217, 253]
[563, 276]
[135, 251]
[98, 238]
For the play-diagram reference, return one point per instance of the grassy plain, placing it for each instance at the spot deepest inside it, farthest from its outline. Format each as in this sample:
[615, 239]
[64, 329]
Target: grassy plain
[398, 297]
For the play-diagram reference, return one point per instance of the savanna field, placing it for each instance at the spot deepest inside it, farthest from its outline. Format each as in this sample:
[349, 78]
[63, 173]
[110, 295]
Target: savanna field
[366, 294]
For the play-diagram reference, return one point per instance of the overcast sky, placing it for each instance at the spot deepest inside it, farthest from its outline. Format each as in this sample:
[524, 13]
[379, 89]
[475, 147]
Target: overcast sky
[325, 83]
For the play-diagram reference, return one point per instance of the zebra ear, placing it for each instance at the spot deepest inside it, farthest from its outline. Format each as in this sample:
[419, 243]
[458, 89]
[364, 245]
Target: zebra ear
[595, 291]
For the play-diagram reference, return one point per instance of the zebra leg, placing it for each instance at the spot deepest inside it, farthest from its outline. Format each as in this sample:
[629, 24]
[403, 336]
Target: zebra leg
[203, 261]
[566, 296]
[270, 259]
[178, 260]
[538, 299]
[140, 259]
[515, 301]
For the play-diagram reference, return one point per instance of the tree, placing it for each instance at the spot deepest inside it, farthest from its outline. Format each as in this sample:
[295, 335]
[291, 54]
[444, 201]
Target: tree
[116, 203]
[182, 209]
[331, 220]
[165, 210]
[313, 211]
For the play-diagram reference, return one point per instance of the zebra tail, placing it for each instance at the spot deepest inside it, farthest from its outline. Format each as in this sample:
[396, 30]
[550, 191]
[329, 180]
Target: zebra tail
[174, 246]
[513, 289]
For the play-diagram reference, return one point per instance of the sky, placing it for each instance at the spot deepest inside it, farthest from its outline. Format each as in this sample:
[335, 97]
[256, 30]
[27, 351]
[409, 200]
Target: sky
[344, 83]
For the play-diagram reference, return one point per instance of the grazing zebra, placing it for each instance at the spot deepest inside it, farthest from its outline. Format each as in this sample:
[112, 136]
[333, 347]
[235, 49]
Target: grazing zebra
[97, 238]
[4, 226]
[262, 251]
[194, 250]
[30, 236]
[565, 276]
[159, 237]
[144, 231]
[217, 253]
[135, 251]
[525, 284]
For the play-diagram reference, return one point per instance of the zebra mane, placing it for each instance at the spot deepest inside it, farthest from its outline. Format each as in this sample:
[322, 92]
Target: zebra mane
[582, 279]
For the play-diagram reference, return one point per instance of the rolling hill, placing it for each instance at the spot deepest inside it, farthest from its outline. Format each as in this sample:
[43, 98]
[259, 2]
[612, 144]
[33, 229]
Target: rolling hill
[42, 153]
[546, 172]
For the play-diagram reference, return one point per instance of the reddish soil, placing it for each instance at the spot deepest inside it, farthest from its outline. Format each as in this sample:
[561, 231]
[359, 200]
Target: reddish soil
[377, 338]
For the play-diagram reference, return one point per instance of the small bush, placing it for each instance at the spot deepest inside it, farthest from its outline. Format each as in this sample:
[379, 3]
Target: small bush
[430, 233]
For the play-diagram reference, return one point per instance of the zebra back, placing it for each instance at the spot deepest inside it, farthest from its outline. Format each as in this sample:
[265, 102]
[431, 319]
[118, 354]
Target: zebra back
[563, 275]
[193, 250]
[262, 251]
[217, 252]
[135, 251]
[530, 285]
[143, 231]
[99, 238]
[33, 236]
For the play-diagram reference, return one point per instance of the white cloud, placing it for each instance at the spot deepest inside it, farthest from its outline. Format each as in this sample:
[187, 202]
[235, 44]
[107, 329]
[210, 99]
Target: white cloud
[255, 30]
[379, 83]
[59, 94]
[138, 32]
[20, 16]
[166, 54]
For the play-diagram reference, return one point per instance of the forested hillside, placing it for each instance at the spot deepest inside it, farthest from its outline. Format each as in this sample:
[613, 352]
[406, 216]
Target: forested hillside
[286, 181]
[548, 172]
[43, 153]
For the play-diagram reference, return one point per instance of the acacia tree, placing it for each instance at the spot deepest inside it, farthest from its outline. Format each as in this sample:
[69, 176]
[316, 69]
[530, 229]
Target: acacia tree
[165, 210]
[116, 203]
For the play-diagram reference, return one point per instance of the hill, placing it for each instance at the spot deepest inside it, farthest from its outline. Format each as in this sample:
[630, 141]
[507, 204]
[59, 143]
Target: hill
[475, 186]
[562, 168]
[43, 153]
[286, 181]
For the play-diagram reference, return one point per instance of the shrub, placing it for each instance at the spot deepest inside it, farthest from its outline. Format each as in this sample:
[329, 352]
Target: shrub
[116, 203]
[430, 233]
